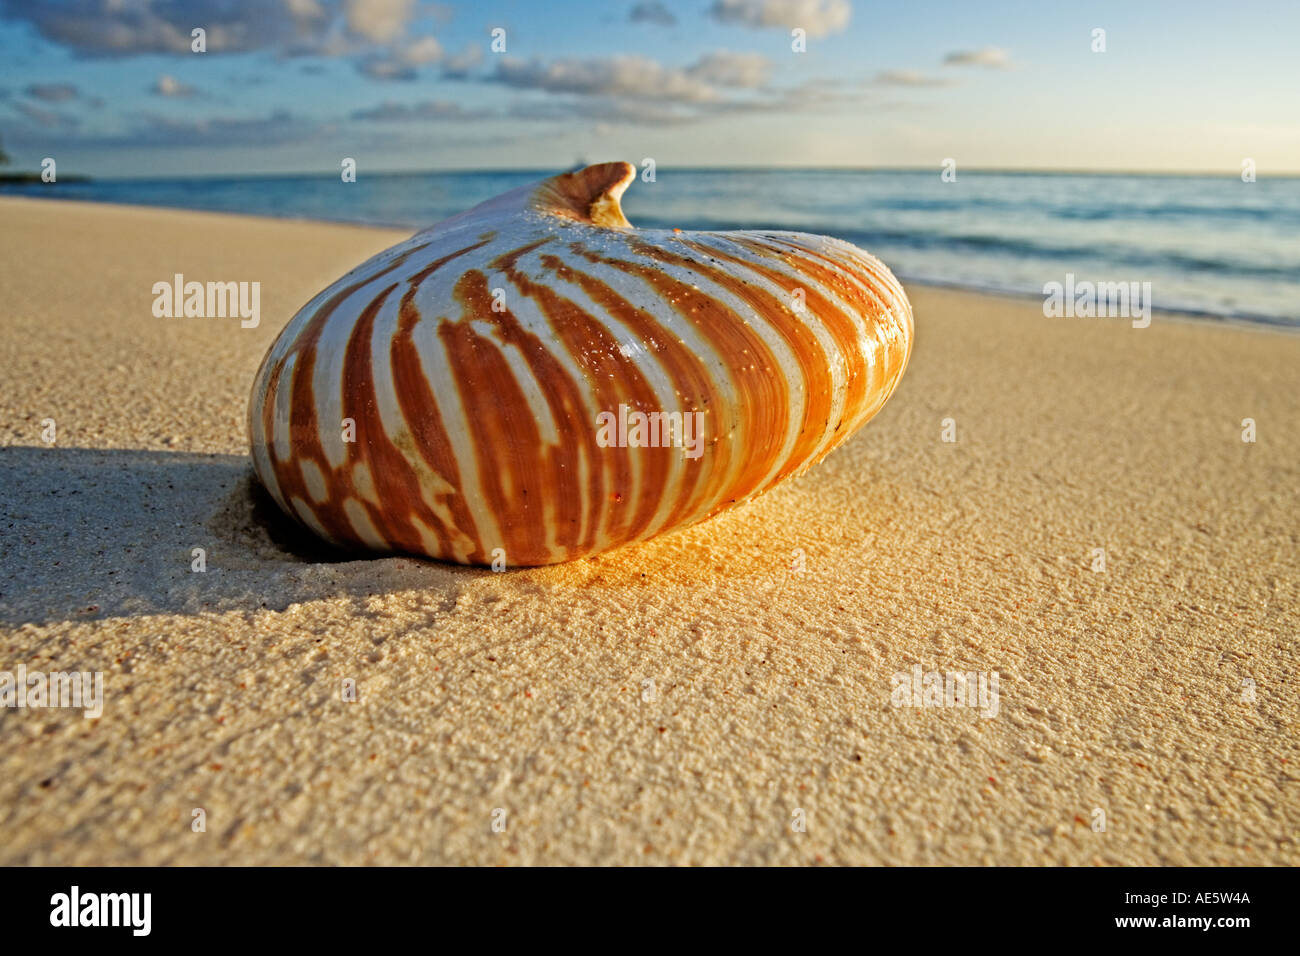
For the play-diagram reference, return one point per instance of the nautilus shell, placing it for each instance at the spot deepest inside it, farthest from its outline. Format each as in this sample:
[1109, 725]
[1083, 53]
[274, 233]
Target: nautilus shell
[535, 380]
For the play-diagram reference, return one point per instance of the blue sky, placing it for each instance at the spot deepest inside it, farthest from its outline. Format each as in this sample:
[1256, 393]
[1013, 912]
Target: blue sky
[112, 88]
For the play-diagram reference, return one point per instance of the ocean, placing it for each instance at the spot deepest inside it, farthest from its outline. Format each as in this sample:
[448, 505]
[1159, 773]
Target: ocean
[1209, 245]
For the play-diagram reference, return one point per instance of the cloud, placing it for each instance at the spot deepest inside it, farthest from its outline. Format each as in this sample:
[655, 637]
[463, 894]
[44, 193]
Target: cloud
[991, 57]
[167, 85]
[403, 62]
[52, 92]
[809, 97]
[111, 28]
[390, 112]
[380, 21]
[59, 94]
[306, 12]
[636, 77]
[459, 65]
[817, 17]
[424, 50]
[46, 118]
[908, 78]
[652, 11]
[125, 28]
[278, 127]
[605, 110]
[372, 34]
[384, 68]
[637, 90]
[724, 68]
[45, 130]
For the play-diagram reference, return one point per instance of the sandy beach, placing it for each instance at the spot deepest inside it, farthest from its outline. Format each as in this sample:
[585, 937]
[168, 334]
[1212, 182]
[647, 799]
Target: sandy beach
[721, 695]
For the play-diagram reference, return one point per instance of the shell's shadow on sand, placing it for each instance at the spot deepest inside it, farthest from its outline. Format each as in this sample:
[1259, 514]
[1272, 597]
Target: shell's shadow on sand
[92, 533]
[250, 517]
[88, 534]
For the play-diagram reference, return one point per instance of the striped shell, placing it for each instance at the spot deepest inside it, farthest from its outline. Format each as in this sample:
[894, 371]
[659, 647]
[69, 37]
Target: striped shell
[463, 395]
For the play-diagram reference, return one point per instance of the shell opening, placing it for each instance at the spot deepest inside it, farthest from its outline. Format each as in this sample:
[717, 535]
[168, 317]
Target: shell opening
[588, 195]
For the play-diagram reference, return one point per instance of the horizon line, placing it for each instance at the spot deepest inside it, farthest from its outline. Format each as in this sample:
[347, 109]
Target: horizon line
[552, 170]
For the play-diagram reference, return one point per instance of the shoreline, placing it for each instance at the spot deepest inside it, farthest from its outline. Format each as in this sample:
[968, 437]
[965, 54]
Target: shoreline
[1289, 326]
[1099, 545]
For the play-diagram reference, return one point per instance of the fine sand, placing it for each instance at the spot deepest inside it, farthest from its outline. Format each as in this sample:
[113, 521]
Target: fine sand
[674, 702]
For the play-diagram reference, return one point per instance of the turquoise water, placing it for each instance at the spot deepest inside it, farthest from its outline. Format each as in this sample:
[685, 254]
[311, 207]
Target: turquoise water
[1209, 245]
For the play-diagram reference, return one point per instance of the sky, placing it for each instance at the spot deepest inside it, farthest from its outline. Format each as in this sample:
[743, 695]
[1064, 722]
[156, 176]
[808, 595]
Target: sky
[114, 88]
